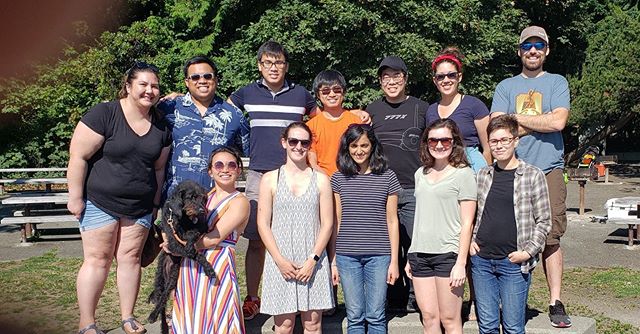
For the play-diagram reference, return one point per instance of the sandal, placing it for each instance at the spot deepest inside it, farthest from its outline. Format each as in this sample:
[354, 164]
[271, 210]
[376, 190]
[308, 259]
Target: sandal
[91, 327]
[132, 323]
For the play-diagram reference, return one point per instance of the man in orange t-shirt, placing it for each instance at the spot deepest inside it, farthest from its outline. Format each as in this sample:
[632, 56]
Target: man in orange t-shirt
[329, 125]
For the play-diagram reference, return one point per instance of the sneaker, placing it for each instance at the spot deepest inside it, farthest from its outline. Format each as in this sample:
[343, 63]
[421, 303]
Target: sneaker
[558, 315]
[251, 307]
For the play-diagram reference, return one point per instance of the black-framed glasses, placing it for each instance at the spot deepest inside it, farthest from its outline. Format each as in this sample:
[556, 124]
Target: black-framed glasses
[269, 63]
[450, 76]
[206, 76]
[526, 46]
[293, 142]
[504, 141]
[232, 166]
[445, 141]
[397, 78]
[328, 90]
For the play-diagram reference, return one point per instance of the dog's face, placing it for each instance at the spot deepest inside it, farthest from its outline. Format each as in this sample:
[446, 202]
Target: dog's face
[186, 207]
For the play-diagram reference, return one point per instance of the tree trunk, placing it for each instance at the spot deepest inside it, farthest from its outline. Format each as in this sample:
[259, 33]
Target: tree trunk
[598, 137]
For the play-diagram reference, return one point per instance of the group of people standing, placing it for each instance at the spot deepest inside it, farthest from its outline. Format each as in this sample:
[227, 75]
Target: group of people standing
[397, 203]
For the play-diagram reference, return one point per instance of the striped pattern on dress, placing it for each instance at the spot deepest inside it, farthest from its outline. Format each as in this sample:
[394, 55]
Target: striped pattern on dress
[203, 305]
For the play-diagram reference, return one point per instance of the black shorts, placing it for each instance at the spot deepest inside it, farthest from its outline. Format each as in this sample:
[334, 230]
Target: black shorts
[430, 265]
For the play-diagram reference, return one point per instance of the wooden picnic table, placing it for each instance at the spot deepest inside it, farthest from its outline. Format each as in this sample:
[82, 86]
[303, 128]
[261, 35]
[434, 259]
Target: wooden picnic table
[29, 201]
[47, 182]
[625, 211]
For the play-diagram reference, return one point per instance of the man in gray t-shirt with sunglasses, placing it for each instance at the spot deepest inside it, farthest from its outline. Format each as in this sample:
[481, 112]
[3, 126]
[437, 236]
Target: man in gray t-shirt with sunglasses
[540, 102]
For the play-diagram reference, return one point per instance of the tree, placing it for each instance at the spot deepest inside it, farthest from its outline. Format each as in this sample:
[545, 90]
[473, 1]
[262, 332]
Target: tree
[606, 96]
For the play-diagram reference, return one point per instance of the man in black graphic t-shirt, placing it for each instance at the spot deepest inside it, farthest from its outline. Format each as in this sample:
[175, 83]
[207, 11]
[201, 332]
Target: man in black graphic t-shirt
[398, 121]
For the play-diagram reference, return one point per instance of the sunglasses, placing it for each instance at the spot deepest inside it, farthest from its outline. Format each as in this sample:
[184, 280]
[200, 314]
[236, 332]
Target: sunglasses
[450, 76]
[206, 76]
[232, 166]
[446, 142]
[526, 46]
[327, 90]
[293, 142]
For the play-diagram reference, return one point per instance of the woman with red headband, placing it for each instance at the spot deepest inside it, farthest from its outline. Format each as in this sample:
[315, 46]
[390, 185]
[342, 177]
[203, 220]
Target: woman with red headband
[470, 114]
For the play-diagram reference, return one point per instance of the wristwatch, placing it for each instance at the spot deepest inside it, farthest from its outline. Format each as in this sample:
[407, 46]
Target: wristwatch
[315, 257]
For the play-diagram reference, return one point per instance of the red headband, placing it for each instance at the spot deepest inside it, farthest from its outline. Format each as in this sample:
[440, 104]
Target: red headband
[450, 57]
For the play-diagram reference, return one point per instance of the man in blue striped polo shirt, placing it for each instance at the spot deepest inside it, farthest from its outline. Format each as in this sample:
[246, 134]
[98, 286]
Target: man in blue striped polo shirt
[272, 103]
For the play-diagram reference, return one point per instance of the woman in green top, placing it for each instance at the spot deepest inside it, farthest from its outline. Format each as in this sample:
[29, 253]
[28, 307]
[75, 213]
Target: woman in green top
[445, 190]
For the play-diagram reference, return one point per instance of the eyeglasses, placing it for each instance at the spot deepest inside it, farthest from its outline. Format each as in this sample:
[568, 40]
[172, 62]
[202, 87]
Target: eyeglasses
[504, 141]
[293, 142]
[206, 76]
[446, 142]
[526, 46]
[397, 78]
[232, 166]
[327, 90]
[269, 63]
[450, 76]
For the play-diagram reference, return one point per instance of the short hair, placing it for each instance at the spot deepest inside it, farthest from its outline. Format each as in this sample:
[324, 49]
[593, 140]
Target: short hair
[274, 49]
[329, 78]
[506, 122]
[302, 125]
[199, 60]
[226, 149]
[377, 161]
[458, 156]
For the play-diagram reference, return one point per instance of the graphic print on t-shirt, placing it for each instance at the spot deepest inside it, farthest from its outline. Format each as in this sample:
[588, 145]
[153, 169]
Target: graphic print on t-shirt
[529, 103]
[410, 138]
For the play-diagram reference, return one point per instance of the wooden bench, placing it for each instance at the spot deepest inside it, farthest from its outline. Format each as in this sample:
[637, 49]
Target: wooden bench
[47, 182]
[29, 214]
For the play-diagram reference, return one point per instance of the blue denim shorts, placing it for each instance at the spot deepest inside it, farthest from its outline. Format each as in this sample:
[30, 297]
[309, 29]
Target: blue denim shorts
[92, 218]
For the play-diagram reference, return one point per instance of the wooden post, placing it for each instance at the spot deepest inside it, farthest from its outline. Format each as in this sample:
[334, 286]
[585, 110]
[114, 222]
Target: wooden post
[606, 174]
[631, 226]
[582, 184]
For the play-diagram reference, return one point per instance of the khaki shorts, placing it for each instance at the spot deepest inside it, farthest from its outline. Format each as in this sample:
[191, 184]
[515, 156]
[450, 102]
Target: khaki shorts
[558, 198]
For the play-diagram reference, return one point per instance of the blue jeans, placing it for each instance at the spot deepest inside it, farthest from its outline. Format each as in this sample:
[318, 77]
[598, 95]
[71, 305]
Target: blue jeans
[476, 159]
[364, 283]
[402, 293]
[500, 282]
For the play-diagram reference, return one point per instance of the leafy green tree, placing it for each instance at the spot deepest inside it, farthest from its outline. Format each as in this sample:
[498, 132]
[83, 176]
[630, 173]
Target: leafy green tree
[606, 96]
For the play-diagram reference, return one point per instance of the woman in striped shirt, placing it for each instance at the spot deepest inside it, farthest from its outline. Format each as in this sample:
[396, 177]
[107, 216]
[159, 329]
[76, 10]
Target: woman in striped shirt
[366, 235]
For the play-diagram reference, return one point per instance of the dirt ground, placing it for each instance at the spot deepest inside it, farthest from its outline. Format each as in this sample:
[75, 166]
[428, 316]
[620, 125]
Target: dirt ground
[586, 243]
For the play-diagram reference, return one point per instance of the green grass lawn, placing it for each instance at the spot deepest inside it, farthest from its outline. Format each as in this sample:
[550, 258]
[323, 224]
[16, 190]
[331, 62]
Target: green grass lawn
[39, 296]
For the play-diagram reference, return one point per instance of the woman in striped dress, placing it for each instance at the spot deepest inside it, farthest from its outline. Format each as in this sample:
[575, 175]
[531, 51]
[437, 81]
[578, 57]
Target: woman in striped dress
[201, 304]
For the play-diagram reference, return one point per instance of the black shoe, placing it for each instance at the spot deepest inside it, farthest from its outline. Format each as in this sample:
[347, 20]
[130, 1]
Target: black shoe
[558, 315]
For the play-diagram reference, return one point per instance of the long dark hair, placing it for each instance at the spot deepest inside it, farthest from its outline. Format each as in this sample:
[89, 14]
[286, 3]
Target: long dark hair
[457, 158]
[377, 160]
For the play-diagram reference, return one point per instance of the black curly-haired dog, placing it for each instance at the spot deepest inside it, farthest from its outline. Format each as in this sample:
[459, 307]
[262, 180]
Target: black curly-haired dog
[183, 217]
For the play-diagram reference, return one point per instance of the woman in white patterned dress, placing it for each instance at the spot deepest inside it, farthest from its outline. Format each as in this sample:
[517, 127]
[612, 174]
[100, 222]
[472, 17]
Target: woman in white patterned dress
[295, 220]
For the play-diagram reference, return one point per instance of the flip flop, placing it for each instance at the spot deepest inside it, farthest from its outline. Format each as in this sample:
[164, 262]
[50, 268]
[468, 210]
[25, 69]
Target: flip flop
[91, 327]
[132, 323]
